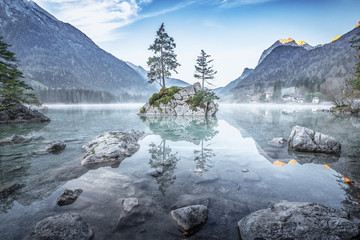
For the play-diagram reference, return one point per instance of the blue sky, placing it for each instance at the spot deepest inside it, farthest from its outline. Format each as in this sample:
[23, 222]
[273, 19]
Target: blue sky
[234, 32]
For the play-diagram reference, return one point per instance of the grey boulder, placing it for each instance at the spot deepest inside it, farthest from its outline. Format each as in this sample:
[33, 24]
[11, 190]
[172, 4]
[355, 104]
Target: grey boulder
[306, 140]
[297, 220]
[15, 139]
[110, 148]
[68, 197]
[67, 226]
[55, 146]
[190, 219]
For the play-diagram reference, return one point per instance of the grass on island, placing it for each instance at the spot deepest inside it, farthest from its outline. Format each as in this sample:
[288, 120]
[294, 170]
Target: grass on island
[164, 96]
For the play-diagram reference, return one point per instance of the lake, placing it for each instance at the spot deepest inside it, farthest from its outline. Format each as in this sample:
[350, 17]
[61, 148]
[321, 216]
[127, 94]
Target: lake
[226, 163]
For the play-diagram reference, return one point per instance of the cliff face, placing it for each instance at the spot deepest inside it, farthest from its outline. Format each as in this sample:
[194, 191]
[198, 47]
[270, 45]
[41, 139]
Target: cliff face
[177, 101]
[53, 54]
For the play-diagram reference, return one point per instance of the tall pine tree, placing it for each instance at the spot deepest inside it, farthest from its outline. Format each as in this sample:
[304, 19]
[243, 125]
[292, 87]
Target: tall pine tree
[203, 70]
[12, 89]
[164, 61]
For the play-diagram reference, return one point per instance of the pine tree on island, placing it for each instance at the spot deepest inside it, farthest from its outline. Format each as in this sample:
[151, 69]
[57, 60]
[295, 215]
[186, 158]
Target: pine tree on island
[164, 61]
[13, 90]
[203, 70]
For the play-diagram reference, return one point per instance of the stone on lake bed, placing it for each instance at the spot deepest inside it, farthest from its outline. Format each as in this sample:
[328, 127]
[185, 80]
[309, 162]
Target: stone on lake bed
[190, 219]
[67, 226]
[55, 146]
[110, 148]
[298, 220]
[306, 140]
[15, 139]
[129, 204]
[68, 197]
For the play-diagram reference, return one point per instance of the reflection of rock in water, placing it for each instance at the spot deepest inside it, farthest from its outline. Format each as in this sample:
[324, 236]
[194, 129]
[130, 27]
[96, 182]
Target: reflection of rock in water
[183, 128]
[165, 164]
[317, 158]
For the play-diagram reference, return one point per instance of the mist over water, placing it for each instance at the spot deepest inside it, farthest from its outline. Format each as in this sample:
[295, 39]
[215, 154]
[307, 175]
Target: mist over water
[177, 156]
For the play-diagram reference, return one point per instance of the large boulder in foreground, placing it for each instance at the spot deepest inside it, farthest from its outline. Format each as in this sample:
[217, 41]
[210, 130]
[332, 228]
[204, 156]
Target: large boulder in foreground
[21, 114]
[177, 101]
[306, 140]
[297, 220]
[66, 226]
[190, 219]
[110, 148]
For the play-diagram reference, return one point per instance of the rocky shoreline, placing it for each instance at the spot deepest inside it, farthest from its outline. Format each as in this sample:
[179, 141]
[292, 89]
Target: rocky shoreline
[21, 114]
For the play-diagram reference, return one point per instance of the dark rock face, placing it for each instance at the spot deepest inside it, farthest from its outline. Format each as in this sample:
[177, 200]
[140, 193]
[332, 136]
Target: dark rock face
[110, 148]
[55, 146]
[66, 226]
[296, 220]
[21, 114]
[68, 197]
[190, 219]
[306, 140]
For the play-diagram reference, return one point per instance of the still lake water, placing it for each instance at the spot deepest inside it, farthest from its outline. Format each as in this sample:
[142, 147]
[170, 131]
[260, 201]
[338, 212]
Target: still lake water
[178, 157]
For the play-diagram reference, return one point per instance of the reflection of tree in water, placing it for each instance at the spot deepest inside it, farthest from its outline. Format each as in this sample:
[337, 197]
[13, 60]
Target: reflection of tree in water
[203, 158]
[165, 164]
[194, 130]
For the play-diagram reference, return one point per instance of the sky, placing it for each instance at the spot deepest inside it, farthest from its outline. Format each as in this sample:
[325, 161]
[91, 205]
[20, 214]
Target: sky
[233, 32]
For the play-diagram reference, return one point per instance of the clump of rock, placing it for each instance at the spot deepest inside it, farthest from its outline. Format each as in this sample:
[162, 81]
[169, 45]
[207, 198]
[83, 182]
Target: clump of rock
[68, 197]
[66, 226]
[21, 114]
[178, 105]
[55, 146]
[306, 140]
[110, 148]
[15, 139]
[190, 219]
[297, 220]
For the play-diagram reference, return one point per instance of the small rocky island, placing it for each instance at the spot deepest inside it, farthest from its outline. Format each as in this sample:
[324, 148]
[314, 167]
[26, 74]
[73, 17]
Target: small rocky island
[177, 101]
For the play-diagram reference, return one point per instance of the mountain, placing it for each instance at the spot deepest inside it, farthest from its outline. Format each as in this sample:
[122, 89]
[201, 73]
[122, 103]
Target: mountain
[56, 55]
[169, 82]
[224, 91]
[284, 42]
[319, 69]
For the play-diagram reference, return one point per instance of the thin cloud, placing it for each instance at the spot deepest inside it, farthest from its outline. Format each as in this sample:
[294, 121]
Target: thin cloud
[100, 18]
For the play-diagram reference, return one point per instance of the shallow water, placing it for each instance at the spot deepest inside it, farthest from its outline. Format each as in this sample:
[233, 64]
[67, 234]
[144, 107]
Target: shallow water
[177, 156]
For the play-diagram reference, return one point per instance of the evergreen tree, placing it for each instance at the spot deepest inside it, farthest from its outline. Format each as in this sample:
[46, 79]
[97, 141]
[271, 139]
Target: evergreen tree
[203, 70]
[12, 89]
[164, 61]
[277, 91]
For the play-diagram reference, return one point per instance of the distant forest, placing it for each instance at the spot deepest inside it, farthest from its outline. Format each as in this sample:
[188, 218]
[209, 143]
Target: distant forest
[62, 95]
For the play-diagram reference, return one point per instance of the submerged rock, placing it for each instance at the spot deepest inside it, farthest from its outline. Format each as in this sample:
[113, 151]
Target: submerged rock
[180, 105]
[110, 148]
[15, 139]
[66, 226]
[55, 146]
[135, 211]
[306, 140]
[68, 197]
[297, 220]
[21, 114]
[190, 219]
